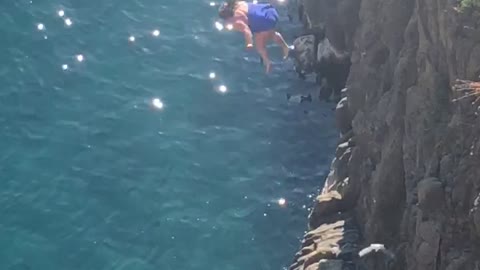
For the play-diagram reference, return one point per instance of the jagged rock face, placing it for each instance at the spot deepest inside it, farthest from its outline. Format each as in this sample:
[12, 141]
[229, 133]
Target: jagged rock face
[343, 116]
[333, 66]
[431, 196]
[320, 51]
[413, 174]
[314, 53]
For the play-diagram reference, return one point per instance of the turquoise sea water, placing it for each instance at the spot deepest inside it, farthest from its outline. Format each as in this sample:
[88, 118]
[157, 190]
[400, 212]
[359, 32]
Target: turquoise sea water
[93, 176]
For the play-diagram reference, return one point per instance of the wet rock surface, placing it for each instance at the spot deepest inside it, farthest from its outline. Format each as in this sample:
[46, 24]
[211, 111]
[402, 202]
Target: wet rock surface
[304, 54]
[406, 173]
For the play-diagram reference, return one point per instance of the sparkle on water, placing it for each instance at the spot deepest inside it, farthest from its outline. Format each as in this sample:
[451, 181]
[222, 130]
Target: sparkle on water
[219, 26]
[157, 103]
[80, 57]
[105, 176]
[68, 22]
[222, 88]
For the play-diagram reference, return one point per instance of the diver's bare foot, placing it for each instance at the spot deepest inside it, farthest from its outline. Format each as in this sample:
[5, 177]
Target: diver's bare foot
[267, 67]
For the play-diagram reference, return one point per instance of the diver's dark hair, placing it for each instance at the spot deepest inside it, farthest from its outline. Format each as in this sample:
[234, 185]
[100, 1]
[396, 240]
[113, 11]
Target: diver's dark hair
[226, 9]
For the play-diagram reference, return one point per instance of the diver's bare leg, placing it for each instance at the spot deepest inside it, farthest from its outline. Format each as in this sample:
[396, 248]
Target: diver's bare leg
[277, 37]
[260, 42]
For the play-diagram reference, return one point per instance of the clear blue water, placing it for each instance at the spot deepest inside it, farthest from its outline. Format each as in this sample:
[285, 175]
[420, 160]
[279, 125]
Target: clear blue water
[95, 177]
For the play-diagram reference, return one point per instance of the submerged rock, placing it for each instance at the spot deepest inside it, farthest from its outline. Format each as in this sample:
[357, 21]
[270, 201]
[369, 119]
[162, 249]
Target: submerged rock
[299, 98]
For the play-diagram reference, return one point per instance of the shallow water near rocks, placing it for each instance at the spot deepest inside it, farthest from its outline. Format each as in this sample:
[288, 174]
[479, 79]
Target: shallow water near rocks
[118, 151]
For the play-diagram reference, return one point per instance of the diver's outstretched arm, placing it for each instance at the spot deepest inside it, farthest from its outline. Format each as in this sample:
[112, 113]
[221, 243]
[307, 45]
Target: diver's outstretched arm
[243, 27]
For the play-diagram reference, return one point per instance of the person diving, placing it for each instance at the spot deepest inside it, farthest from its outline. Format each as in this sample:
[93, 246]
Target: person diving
[256, 21]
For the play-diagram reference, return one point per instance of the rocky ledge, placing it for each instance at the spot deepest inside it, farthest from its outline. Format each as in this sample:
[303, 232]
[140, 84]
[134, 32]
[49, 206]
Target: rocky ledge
[404, 186]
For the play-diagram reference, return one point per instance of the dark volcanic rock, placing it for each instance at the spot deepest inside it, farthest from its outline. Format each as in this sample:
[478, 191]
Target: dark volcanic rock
[475, 214]
[343, 116]
[313, 53]
[304, 54]
[430, 195]
[406, 169]
[333, 66]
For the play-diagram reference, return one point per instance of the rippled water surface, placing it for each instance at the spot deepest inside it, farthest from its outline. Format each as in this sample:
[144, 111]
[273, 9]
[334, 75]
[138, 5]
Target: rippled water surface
[118, 151]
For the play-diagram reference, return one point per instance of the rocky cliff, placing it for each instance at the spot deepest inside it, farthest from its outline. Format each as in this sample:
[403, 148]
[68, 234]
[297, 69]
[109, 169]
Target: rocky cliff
[406, 175]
